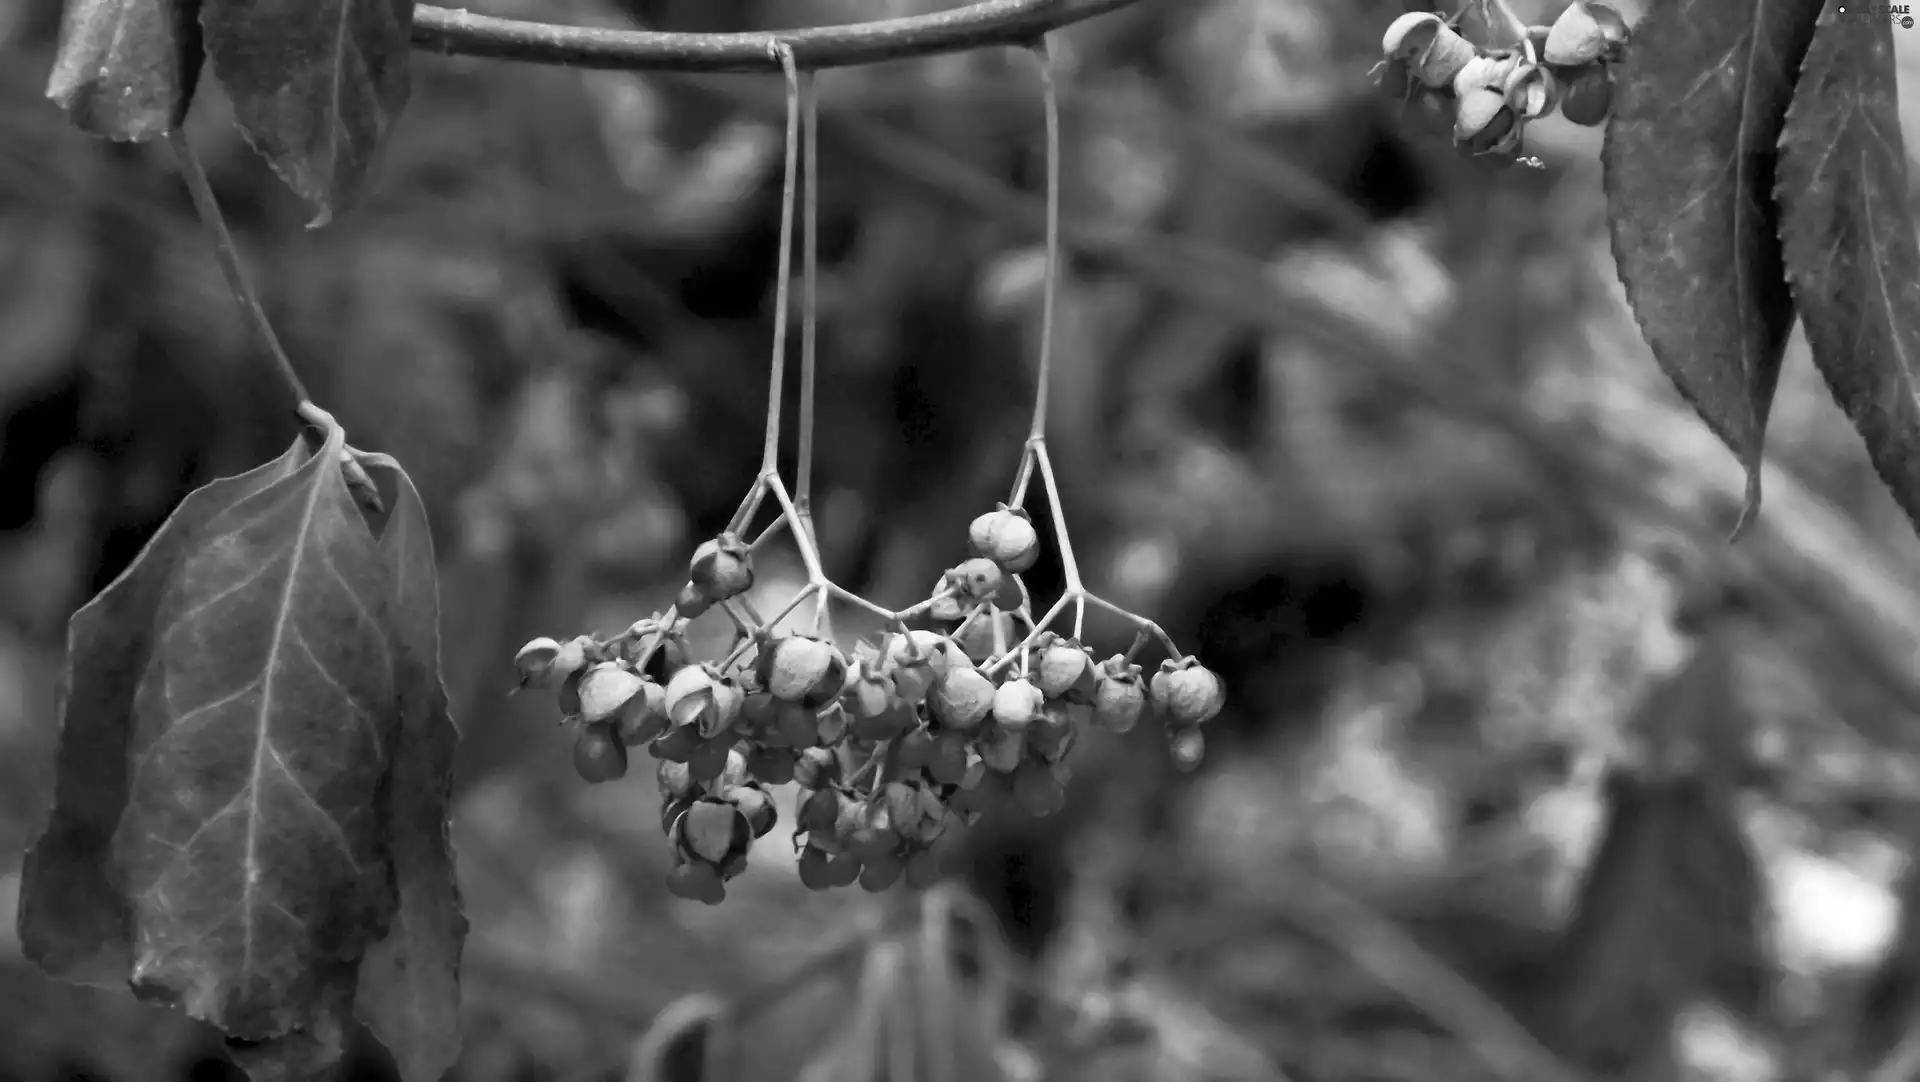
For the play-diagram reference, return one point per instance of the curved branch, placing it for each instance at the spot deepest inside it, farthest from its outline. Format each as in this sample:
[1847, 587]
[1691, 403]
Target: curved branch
[995, 22]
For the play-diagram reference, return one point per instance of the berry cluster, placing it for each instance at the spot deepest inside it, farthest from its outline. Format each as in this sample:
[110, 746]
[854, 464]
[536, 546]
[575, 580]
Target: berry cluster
[1493, 93]
[916, 734]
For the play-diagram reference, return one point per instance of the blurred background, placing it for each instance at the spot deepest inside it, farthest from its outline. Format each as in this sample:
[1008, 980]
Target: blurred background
[1523, 775]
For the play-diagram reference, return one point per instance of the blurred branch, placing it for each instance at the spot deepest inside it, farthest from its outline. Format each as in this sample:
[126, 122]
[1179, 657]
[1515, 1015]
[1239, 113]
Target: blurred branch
[996, 22]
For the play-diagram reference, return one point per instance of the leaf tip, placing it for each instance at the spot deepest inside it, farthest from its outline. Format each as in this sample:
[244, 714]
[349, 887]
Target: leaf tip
[1750, 505]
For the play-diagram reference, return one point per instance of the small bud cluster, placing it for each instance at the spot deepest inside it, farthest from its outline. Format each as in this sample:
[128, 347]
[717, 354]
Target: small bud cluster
[1493, 93]
[894, 748]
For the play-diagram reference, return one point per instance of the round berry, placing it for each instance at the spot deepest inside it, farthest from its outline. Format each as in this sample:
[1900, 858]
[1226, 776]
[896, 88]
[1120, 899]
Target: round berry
[1119, 696]
[644, 716]
[722, 568]
[879, 872]
[709, 760]
[1007, 537]
[713, 831]
[1001, 749]
[697, 882]
[976, 580]
[691, 602]
[916, 749]
[948, 763]
[598, 754]
[676, 745]
[1588, 95]
[843, 870]
[803, 670]
[1063, 667]
[604, 689]
[886, 725]
[1187, 692]
[820, 812]
[962, 698]
[771, 766]
[815, 867]
[1016, 703]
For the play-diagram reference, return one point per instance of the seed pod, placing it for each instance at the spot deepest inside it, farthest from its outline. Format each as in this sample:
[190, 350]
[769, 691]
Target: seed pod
[676, 745]
[1484, 73]
[978, 639]
[816, 768]
[881, 871]
[915, 749]
[1410, 34]
[1612, 26]
[1436, 66]
[886, 725]
[945, 604]
[1532, 91]
[1187, 746]
[903, 809]
[914, 660]
[676, 781]
[709, 761]
[1007, 537]
[536, 663]
[1588, 95]
[753, 803]
[820, 813]
[976, 580]
[961, 698]
[1016, 703]
[1052, 736]
[735, 773]
[797, 725]
[874, 836]
[722, 567]
[713, 831]
[1482, 120]
[1186, 692]
[1063, 666]
[644, 716]
[798, 669]
[1575, 38]
[1002, 750]
[1037, 791]
[832, 724]
[598, 755]
[814, 874]
[843, 870]
[771, 766]
[695, 697]
[922, 871]
[604, 689]
[869, 690]
[948, 763]
[697, 882]
[691, 603]
[1120, 696]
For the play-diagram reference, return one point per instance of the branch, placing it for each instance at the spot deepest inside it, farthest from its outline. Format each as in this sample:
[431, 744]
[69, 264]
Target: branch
[995, 22]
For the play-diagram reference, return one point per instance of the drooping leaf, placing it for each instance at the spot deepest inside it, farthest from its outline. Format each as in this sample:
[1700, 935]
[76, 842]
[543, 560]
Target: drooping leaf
[1851, 255]
[316, 86]
[74, 922]
[250, 848]
[126, 69]
[409, 987]
[1689, 158]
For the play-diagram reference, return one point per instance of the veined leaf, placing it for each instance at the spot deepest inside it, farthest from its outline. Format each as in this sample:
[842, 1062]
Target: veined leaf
[1851, 255]
[126, 69]
[250, 849]
[316, 86]
[1689, 158]
[74, 923]
[409, 986]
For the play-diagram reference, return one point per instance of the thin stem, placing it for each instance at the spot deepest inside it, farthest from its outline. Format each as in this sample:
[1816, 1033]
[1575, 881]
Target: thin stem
[995, 22]
[816, 575]
[776, 384]
[809, 291]
[1069, 566]
[1051, 96]
[216, 224]
[1146, 627]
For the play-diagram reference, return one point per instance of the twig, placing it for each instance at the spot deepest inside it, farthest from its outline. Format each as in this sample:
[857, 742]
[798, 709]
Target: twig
[996, 22]
[1050, 292]
[770, 453]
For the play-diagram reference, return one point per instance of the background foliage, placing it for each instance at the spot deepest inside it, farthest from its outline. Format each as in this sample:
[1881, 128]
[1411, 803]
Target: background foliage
[1486, 809]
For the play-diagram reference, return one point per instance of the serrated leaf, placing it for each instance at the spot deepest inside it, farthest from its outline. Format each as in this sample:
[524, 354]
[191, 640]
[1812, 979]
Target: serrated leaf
[1851, 255]
[126, 69]
[409, 984]
[73, 921]
[316, 86]
[1689, 163]
[250, 848]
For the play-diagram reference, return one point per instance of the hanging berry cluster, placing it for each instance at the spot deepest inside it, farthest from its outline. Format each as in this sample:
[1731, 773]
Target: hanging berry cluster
[965, 701]
[1493, 92]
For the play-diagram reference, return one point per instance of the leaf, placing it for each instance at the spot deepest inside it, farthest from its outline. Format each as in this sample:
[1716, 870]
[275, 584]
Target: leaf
[1689, 161]
[409, 986]
[250, 848]
[1851, 255]
[73, 922]
[316, 86]
[126, 69]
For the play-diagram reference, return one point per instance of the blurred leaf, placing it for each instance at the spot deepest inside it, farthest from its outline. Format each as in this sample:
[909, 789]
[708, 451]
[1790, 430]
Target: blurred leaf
[1689, 159]
[1850, 249]
[126, 69]
[74, 923]
[409, 990]
[317, 86]
[1670, 903]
